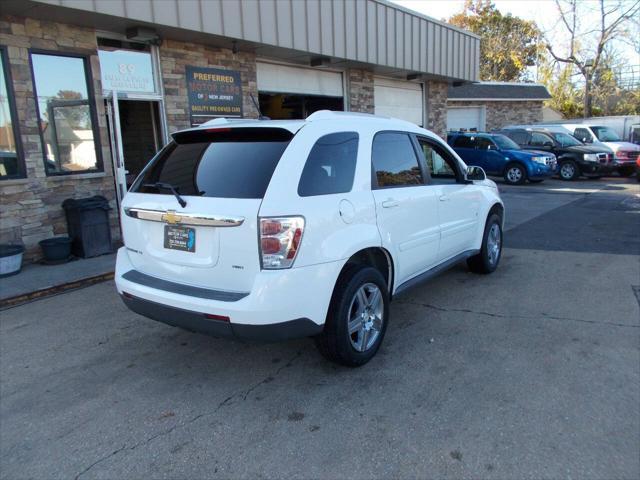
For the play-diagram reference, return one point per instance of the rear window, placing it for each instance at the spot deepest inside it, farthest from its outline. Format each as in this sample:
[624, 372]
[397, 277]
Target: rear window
[226, 163]
[331, 165]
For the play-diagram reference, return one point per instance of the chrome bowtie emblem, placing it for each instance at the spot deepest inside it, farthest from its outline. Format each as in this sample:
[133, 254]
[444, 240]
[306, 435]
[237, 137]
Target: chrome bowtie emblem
[171, 217]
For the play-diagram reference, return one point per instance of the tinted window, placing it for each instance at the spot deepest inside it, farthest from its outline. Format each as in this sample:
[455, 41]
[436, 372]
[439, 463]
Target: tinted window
[394, 160]
[65, 109]
[439, 163]
[540, 139]
[484, 143]
[463, 142]
[519, 137]
[565, 140]
[582, 134]
[330, 166]
[235, 165]
[505, 143]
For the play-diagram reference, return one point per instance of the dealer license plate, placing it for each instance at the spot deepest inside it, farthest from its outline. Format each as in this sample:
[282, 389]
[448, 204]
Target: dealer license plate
[180, 238]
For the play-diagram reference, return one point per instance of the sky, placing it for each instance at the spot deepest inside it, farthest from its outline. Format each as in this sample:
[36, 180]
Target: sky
[543, 12]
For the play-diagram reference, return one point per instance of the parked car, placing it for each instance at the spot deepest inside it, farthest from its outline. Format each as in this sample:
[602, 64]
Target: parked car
[270, 230]
[638, 169]
[574, 158]
[498, 155]
[624, 153]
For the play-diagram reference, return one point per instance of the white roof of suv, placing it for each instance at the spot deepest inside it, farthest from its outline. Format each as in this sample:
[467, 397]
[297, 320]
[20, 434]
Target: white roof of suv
[320, 116]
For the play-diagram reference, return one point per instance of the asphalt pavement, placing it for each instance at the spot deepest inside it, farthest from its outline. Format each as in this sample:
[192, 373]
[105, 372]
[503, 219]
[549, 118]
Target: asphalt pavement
[531, 372]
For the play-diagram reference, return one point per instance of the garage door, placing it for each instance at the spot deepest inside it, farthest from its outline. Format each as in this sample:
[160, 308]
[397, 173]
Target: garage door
[395, 98]
[273, 78]
[467, 118]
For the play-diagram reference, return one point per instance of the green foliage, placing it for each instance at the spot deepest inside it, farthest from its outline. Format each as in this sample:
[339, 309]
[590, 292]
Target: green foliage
[508, 44]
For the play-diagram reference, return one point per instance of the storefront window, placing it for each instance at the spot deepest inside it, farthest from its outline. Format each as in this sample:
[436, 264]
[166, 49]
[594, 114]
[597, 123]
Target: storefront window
[11, 165]
[66, 114]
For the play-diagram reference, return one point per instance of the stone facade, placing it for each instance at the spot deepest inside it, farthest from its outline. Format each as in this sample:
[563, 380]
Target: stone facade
[503, 113]
[175, 56]
[360, 85]
[31, 207]
[436, 107]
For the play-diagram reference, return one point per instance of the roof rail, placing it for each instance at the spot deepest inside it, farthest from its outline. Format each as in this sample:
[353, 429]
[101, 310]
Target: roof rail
[331, 115]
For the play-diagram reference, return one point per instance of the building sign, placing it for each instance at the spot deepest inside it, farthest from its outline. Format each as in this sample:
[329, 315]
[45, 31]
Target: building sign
[126, 71]
[213, 93]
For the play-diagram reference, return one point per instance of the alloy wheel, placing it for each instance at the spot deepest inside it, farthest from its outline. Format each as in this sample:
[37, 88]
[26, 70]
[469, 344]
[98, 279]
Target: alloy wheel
[514, 174]
[567, 170]
[366, 317]
[494, 243]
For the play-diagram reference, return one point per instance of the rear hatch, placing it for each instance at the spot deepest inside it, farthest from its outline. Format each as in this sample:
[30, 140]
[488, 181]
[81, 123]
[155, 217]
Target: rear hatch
[191, 216]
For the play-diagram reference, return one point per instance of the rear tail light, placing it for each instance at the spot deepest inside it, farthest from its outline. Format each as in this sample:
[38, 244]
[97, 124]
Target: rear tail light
[280, 241]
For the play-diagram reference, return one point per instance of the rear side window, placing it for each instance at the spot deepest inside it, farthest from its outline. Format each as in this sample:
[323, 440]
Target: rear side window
[394, 160]
[540, 139]
[463, 142]
[520, 138]
[224, 163]
[331, 165]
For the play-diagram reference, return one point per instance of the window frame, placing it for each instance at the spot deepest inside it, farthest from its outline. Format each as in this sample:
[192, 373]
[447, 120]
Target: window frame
[13, 113]
[459, 175]
[91, 100]
[418, 158]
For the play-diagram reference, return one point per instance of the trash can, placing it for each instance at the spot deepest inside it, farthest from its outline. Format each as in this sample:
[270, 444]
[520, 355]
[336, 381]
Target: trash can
[88, 224]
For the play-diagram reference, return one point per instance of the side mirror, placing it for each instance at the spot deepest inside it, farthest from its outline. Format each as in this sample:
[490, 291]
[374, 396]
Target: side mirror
[585, 140]
[547, 144]
[475, 173]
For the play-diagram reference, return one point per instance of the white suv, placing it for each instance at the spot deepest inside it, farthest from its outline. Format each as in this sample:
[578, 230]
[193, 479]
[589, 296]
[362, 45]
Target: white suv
[269, 230]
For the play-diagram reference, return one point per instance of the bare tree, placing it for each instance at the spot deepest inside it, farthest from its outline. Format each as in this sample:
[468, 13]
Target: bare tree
[587, 44]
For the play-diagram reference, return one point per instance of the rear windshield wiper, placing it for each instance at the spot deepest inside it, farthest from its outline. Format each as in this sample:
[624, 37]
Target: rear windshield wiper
[168, 186]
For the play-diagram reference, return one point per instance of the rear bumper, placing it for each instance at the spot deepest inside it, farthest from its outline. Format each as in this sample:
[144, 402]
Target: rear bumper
[199, 323]
[280, 304]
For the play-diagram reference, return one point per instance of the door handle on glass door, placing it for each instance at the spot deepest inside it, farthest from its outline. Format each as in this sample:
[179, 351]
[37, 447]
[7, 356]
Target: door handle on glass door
[389, 203]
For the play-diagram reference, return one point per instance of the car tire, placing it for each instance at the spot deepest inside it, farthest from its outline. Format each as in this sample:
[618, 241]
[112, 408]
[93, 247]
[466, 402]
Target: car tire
[568, 170]
[515, 174]
[357, 285]
[491, 251]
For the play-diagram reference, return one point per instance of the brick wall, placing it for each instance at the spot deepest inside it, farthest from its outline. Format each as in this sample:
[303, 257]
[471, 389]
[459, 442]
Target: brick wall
[501, 114]
[360, 91]
[175, 55]
[31, 207]
[436, 106]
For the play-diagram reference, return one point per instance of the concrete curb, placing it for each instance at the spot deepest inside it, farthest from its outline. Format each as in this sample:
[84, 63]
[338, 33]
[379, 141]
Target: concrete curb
[55, 290]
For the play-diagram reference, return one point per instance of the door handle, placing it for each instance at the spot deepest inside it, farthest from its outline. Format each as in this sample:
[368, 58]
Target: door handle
[445, 198]
[390, 203]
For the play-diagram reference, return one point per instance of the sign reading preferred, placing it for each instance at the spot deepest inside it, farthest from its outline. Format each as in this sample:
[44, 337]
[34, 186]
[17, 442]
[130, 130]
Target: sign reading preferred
[126, 71]
[213, 93]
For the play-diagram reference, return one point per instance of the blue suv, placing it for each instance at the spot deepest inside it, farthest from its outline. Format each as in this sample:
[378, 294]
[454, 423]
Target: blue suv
[499, 155]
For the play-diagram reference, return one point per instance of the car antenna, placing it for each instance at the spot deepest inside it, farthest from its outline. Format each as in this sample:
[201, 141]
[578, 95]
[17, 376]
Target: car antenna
[257, 105]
